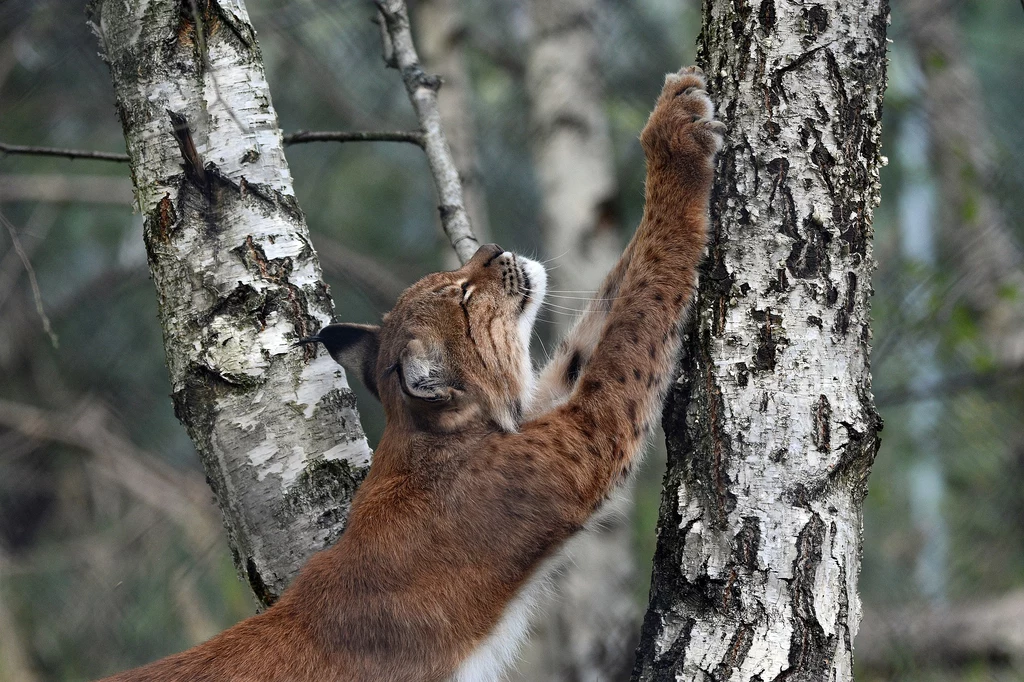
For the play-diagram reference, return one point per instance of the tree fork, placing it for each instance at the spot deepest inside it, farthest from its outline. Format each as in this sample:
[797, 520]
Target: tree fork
[771, 428]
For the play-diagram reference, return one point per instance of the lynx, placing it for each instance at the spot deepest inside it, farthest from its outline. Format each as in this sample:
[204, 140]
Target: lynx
[484, 470]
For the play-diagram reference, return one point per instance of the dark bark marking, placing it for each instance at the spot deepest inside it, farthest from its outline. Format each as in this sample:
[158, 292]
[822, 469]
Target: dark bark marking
[817, 20]
[739, 647]
[843, 315]
[166, 218]
[770, 335]
[766, 14]
[821, 417]
[259, 588]
[194, 170]
[809, 256]
[746, 544]
[810, 651]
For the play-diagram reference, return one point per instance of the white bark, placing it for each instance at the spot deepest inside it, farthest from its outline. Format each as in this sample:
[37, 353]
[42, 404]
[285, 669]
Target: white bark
[771, 429]
[589, 631]
[237, 279]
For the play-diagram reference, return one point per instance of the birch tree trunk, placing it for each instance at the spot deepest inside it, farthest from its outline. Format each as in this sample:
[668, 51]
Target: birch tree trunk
[237, 279]
[589, 631]
[771, 428]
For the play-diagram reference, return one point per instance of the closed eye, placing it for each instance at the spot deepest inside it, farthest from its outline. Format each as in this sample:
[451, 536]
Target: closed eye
[451, 290]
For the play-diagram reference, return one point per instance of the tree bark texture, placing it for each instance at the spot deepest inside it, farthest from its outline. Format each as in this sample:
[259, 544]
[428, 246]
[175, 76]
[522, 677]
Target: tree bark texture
[989, 263]
[590, 630]
[237, 279]
[771, 428]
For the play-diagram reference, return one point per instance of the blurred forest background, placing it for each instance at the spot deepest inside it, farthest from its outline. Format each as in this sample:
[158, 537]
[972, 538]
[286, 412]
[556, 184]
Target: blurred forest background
[111, 551]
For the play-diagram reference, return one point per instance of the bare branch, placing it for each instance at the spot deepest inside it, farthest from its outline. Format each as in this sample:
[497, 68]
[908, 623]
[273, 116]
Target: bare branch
[29, 150]
[442, 36]
[36, 294]
[303, 136]
[300, 137]
[180, 496]
[400, 53]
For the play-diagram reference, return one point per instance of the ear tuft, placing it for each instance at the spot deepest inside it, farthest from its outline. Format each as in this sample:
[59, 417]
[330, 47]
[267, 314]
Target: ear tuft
[354, 347]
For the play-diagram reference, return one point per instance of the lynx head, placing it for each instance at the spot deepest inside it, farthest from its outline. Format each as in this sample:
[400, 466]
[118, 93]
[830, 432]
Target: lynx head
[454, 351]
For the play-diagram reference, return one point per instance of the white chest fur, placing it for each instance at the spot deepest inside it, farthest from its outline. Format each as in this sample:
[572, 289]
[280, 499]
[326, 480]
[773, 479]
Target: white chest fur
[489, 660]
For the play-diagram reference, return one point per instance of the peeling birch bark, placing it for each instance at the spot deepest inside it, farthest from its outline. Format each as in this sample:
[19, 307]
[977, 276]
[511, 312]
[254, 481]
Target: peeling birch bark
[771, 428]
[237, 280]
[590, 630]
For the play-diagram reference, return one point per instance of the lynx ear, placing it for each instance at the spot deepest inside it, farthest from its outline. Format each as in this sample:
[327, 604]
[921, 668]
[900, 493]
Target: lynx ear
[354, 347]
[424, 374]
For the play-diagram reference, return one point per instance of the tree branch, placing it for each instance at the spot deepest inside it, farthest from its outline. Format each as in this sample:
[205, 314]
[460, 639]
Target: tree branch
[30, 150]
[442, 39]
[400, 53]
[300, 137]
[303, 136]
[62, 188]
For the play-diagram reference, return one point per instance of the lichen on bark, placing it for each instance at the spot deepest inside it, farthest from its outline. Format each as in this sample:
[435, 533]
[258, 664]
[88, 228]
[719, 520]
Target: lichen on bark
[771, 428]
[237, 279]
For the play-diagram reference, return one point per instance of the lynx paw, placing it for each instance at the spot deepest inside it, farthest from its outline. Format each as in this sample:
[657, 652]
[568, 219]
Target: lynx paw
[682, 123]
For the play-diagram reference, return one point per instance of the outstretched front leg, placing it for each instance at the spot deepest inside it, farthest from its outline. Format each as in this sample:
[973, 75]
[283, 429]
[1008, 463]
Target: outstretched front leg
[562, 371]
[616, 364]
[561, 374]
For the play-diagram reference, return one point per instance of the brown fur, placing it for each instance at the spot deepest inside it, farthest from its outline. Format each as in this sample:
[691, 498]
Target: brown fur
[474, 483]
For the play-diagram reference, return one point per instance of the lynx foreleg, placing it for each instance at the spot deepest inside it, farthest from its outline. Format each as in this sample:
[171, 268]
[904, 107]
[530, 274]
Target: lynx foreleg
[559, 376]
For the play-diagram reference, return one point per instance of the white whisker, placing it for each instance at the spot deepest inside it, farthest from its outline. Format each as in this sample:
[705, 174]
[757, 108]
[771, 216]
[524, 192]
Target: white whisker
[545, 262]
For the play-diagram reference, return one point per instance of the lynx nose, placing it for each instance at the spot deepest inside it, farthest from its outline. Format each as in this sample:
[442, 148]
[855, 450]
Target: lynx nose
[485, 254]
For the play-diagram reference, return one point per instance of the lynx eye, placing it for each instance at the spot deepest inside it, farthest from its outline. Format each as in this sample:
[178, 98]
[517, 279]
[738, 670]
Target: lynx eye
[449, 291]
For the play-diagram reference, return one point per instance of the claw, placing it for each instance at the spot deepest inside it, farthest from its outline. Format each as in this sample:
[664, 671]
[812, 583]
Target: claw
[691, 90]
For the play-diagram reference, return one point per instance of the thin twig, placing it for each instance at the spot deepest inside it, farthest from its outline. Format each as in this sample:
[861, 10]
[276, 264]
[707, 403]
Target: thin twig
[28, 150]
[400, 53]
[301, 137]
[31, 279]
[413, 136]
